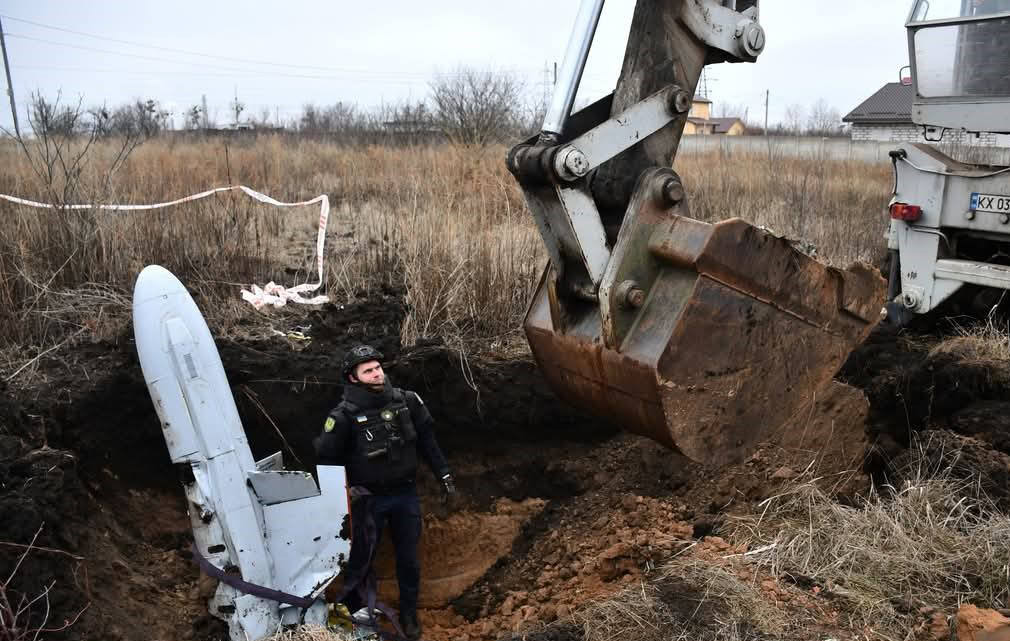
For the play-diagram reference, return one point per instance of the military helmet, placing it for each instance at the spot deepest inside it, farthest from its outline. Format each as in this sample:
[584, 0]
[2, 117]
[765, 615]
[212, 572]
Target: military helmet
[358, 355]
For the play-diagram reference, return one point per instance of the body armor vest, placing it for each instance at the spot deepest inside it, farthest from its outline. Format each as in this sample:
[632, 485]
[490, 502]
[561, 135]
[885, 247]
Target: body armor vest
[384, 452]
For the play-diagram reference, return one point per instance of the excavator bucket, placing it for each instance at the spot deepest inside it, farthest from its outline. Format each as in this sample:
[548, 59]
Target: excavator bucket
[736, 332]
[703, 337]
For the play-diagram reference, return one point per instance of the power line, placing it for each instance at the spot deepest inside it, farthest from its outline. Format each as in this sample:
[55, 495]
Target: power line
[137, 56]
[405, 78]
[407, 82]
[207, 55]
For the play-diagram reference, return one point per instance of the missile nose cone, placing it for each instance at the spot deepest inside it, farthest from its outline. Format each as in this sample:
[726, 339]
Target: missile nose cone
[155, 281]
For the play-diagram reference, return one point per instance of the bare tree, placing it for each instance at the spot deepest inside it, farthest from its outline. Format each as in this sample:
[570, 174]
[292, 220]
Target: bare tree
[194, 118]
[824, 119]
[262, 121]
[140, 119]
[63, 136]
[530, 116]
[339, 118]
[405, 124]
[237, 107]
[794, 120]
[474, 107]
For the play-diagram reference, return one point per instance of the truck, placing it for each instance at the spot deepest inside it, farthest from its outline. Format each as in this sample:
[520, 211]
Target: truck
[949, 232]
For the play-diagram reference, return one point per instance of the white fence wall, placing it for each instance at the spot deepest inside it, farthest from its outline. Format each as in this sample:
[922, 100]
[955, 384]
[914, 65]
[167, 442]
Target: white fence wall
[834, 148]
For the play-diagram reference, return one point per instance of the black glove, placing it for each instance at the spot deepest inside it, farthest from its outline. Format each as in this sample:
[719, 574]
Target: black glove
[448, 488]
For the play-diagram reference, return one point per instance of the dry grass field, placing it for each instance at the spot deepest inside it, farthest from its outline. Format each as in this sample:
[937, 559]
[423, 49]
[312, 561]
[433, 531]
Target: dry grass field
[445, 223]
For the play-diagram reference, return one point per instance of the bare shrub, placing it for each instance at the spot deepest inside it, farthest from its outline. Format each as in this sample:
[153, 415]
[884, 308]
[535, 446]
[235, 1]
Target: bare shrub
[137, 120]
[475, 107]
[25, 617]
[339, 118]
[397, 124]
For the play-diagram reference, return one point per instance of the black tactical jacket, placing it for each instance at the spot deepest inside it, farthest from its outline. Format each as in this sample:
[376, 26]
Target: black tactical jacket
[378, 436]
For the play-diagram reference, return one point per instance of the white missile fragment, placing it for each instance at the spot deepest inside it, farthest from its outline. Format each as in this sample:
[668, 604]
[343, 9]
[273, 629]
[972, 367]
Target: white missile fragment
[273, 527]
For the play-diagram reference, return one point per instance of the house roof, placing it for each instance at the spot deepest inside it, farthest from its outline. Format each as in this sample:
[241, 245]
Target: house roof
[700, 121]
[891, 103]
[722, 125]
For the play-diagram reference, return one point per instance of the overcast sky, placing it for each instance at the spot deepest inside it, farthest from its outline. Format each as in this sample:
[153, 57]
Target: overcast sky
[278, 59]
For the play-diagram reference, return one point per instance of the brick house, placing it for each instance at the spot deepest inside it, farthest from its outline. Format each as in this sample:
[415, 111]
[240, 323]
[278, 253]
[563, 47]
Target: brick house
[887, 116]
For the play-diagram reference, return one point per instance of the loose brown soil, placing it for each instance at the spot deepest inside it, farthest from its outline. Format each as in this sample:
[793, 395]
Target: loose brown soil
[557, 510]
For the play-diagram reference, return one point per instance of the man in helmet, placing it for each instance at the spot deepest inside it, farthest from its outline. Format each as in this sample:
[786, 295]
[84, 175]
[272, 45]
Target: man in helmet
[377, 433]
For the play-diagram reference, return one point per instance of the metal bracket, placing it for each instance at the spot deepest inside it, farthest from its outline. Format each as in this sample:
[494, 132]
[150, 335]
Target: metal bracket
[613, 136]
[658, 197]
[557, 194]
[736, 33]
[570, 226]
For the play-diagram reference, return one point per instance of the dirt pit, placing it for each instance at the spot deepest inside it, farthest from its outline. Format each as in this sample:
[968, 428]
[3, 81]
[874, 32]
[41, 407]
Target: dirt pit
[457, 549]
[558, 510]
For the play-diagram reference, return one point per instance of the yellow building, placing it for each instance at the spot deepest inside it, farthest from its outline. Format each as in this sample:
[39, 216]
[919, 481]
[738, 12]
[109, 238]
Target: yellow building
[698, 119]
[701, 123]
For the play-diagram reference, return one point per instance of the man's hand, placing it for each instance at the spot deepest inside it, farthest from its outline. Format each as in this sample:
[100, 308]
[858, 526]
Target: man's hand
[448, 488]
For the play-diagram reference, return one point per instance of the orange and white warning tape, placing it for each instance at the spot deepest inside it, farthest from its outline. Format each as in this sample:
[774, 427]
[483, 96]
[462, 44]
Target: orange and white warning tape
[269, 294]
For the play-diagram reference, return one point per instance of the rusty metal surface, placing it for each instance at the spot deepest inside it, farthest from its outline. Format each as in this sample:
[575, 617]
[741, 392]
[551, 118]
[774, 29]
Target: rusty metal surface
[738, 331]
[630, 262]
[702, 337]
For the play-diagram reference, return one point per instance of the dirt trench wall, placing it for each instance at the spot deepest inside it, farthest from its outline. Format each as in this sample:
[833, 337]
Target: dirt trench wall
[919, 383]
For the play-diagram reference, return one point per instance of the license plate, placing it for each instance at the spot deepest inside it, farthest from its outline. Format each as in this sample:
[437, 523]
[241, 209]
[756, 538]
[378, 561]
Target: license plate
[995, 203]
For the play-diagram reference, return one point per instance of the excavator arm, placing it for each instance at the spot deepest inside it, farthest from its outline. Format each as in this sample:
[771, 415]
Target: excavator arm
[702, 337]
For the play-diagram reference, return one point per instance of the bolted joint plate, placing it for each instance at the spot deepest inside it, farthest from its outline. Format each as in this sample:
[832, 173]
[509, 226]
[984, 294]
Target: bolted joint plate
[737, 332]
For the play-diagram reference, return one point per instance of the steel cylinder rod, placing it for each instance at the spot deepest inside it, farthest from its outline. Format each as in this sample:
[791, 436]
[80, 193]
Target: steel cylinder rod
[571, 69]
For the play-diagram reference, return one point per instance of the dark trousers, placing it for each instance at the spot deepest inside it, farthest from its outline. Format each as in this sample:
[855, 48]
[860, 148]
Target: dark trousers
[369, 516]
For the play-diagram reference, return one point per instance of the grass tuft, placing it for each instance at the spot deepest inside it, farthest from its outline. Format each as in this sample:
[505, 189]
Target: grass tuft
[935, 540]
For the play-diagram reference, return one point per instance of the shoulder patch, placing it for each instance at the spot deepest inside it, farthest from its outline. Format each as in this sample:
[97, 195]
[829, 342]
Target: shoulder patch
[361, 419]
[328, 425]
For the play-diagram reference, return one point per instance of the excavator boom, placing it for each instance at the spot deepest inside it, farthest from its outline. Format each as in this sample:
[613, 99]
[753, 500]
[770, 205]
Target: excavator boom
[703, 337]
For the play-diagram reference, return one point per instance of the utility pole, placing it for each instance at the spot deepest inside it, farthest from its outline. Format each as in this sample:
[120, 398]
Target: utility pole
[555, 72]
[206, 118]
[545, 98]
[10, 85]
[766, 112]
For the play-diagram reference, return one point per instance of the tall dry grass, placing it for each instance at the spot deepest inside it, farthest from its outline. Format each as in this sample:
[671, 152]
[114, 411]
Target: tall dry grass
[838, 206]
[937, 540]
[446, 224]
